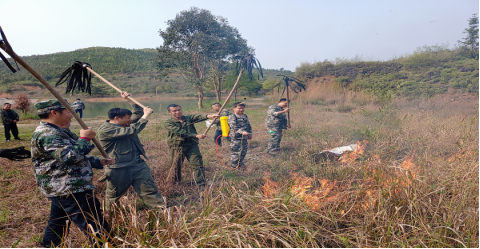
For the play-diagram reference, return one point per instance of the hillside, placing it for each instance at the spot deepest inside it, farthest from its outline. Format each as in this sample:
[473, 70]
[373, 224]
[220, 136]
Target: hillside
[132, 70]
[129, 68]
[427, 72]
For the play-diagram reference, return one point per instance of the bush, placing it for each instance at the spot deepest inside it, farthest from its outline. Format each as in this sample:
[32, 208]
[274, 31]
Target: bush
[344, 108]
[22, 102]
[32, 116]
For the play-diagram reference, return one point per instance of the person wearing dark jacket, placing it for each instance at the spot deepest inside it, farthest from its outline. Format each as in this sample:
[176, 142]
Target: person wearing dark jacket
[9, 120]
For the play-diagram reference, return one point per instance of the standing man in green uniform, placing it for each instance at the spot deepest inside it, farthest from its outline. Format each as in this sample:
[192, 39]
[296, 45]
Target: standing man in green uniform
[119, 138]
[183, 142]
[63, 170]
[240, 133]
[276, 121]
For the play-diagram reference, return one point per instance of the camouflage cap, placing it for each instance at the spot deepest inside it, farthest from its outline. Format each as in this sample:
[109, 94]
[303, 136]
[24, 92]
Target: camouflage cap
[47, 105]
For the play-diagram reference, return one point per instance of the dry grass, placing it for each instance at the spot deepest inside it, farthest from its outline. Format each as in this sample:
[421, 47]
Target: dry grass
[416, 185]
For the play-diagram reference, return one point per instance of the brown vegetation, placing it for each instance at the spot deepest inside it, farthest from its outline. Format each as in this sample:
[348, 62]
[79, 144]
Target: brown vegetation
[415, 183]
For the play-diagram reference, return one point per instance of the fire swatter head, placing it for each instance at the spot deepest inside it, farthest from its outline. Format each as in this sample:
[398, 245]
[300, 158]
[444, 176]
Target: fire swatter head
[77, 76]
[9, 50]
[290, 82]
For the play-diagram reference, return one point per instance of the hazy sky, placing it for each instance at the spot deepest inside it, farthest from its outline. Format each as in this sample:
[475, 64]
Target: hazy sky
[283, 33]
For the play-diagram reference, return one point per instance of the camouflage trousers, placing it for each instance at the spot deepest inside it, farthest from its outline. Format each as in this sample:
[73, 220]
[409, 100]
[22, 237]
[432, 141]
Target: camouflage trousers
[239, 148]
[275, 139]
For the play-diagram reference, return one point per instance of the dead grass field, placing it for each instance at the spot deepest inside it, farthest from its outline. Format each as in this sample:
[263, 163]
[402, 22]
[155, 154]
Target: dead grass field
[415, 184]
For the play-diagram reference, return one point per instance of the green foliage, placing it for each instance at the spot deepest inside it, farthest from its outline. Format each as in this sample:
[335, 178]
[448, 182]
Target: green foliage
[470, 42]
[102, 59]
[245, 86]
[118, 65]
[196, 43]
[269, 84]
[428, 71]
[33, 116]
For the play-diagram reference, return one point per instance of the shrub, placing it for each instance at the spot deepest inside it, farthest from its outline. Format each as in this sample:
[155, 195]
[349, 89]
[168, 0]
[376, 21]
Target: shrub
[344, 108]
[22, 102]
[33, 116]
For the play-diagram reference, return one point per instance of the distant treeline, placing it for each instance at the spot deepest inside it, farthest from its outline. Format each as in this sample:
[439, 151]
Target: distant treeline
[428, 71]
[102, 59]
[132, 70]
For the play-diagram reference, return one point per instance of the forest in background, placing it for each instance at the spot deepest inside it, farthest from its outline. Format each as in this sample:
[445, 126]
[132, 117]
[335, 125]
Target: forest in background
[132, 70]
[428, 71]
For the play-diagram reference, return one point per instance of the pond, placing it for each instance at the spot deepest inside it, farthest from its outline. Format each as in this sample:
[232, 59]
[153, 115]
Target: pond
[95, 109]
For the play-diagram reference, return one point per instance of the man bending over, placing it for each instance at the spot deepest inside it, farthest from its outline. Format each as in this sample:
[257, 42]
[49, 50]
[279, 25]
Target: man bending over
[119, 138]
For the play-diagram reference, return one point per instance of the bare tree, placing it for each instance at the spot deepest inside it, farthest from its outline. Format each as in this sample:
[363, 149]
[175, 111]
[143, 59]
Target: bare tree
[22, 102]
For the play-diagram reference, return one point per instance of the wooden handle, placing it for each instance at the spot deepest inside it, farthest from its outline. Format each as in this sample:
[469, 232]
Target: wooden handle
[288, 106]
[226, 101]
[114, 87]
[56, 94]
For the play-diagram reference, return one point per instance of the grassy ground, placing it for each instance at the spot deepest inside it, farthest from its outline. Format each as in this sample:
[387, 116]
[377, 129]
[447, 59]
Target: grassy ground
[415, 184]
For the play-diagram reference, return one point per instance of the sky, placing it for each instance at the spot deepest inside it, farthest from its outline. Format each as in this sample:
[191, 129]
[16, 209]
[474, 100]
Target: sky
[283, 33]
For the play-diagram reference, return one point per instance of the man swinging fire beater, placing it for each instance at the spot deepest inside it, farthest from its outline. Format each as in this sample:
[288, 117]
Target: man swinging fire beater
[63, 170]
[119, 138]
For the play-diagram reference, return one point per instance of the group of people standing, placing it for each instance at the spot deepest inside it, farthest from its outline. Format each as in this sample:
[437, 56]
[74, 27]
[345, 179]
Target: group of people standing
[63, 168]
[241, 130]
[10, 118]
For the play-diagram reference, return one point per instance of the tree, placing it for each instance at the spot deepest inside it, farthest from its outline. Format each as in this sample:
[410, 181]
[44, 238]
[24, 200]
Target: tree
[246, 85]
[22, 102]
[470, 42]
[196, 44]
[269, 84]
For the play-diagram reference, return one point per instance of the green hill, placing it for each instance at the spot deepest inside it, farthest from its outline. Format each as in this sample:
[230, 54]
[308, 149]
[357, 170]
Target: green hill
[132, 70]
[430, 70]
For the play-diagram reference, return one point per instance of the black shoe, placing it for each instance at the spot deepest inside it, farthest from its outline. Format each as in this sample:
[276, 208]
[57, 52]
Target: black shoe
[18, 138]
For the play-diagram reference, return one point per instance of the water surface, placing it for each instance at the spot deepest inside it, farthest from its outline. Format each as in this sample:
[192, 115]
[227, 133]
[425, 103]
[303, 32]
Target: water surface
[95, 109]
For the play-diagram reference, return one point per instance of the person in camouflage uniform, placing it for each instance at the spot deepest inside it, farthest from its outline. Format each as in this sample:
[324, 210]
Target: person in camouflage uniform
[218, 133]
[119, 138]
[182, 139]
[79, 106]
[63, 171]
[240, 133]
[276, 121]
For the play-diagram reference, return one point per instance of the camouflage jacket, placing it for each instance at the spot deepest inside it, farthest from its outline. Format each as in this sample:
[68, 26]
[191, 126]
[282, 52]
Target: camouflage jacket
[60, 161]
[224, 113]
[238, 124]
[122, 143]
[183, 133]
[78, 105]
[275, 120]
[5, 117]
